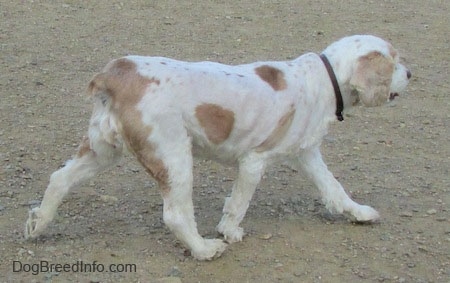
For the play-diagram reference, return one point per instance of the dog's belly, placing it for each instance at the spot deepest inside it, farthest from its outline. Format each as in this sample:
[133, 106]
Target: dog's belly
[220, 155]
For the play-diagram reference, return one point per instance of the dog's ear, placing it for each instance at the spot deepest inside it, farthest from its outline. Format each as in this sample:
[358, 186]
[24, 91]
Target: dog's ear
[372, 78]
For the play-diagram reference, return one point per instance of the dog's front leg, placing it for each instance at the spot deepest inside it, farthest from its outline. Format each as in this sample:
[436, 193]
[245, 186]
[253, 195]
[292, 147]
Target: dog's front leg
[251, 169]
[333, 194]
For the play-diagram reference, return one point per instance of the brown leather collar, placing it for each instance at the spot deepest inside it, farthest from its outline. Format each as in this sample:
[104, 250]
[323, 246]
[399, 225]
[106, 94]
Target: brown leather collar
[337, 91]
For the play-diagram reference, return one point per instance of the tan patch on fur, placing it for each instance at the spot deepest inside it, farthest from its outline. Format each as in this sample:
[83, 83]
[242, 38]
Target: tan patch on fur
[84, 147]
[126, 88]
[273, 76]
[216, 121]
[278, 133]
[372, 78]
[145, 153]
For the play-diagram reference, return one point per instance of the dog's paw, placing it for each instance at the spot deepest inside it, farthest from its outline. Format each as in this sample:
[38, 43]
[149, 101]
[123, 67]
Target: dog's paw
[36, 223]
[231, 234]
[365, 213]
[213, 248]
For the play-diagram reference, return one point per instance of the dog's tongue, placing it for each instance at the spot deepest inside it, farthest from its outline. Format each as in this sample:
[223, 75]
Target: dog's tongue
[393, 95]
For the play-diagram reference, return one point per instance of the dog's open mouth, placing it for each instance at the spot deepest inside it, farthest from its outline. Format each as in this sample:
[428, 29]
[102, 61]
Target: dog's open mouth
[392, 95]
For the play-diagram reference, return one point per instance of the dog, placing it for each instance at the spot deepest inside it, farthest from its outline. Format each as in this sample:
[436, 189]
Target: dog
[166, 111]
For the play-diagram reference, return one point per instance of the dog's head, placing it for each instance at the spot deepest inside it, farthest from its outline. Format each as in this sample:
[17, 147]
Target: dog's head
[378, 78]
[372, 70]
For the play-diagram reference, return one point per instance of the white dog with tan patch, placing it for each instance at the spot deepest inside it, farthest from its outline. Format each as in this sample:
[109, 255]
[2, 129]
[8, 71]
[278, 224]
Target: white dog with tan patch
[166, 111]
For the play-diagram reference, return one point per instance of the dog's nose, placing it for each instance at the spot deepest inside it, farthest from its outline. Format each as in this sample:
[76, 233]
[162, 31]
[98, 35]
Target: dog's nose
[408, 74]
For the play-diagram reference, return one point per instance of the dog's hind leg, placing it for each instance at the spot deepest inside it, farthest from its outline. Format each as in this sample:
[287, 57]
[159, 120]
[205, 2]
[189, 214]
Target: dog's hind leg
[166, 154]
[95, 153]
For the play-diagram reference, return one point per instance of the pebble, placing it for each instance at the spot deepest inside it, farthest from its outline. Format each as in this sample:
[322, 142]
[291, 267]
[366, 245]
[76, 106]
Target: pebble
[175, 272]
[406, 214]
[23, 251]
[266, 236]
[431, 211]
[34, 202]
[48, 276]
[278, 265]
[50, 249]
[248, 264]
[423, 249]
[1, 207]
[108, 199]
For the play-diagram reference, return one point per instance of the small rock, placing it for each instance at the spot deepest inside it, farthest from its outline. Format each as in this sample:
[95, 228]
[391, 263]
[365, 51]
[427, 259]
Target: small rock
[1, 207]
[174, 272]
[34, 202]
[21, 252]
[423, 249]
[431, 211]
[248, 264]
[108, 199]
[311, 208]
[385, 237]
[50, 275]
[406, 214]
[411, 265]
[278, 265]
[266, 236]
[50, 249]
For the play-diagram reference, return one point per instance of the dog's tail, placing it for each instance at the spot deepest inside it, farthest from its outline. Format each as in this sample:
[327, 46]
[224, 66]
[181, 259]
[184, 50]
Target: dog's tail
[104, 123]
[103, 85]
[97, 84]
[119, 80]
[98, 88]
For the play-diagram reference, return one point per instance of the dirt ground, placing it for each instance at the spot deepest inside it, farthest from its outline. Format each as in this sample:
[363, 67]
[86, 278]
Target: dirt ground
[395, 158]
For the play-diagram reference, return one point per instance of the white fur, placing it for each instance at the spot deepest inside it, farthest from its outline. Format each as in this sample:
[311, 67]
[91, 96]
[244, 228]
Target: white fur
[258, 108]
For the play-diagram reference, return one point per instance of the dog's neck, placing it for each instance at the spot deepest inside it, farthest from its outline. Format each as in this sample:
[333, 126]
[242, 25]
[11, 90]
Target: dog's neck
[337, 90]
[343, 74]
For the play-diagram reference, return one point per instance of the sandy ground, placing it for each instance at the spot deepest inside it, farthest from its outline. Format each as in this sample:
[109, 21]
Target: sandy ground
[395, 158]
